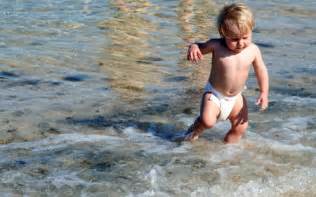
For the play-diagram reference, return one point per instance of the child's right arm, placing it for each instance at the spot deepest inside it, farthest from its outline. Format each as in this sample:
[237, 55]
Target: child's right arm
[197, 50]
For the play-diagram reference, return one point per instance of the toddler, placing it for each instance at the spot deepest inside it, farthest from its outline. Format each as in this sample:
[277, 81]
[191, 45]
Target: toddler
[232, 56]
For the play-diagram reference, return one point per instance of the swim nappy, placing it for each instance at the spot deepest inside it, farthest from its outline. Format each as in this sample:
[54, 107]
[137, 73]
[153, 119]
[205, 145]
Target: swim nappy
[224, 103]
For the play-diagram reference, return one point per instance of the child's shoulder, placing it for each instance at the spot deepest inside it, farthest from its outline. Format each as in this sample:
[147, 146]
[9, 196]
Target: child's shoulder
[216, 42]
[255, 48]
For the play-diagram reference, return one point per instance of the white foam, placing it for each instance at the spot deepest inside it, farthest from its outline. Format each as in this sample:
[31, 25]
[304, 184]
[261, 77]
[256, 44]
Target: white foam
[278, 146]
[135, 136]
[201, 192]
[156, 178]
[152, 177]
[63, 178]
[150, 193]
[299, 100]
[295, 181]
[61, 141]
[227, 153]
[153, 144]
[297, 123]
[149, 142]
[59, 179]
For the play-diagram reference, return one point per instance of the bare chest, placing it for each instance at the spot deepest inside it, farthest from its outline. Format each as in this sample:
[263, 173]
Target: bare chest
[233, 63]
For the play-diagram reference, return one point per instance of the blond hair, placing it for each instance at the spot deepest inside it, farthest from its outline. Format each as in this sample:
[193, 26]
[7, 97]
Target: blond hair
[235, 19]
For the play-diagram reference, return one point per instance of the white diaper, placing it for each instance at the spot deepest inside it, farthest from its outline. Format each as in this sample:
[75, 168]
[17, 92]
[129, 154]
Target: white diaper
[224, 103]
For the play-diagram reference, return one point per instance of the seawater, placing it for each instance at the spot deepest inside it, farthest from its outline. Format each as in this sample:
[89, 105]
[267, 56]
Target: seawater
[92, 93]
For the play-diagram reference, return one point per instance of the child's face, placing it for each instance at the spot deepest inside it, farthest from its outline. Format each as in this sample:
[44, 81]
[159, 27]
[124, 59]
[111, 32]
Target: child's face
[238, 42]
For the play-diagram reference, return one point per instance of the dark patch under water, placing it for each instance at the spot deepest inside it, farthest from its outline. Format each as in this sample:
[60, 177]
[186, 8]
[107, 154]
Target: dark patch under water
[265, 45]
[299, 92]
[76, 78]
[7, 74]
[306, 70]
[176, 79]
[22, 82]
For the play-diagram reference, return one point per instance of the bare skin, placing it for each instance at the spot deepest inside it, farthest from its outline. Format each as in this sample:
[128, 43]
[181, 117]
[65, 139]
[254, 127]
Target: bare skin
[232, 58]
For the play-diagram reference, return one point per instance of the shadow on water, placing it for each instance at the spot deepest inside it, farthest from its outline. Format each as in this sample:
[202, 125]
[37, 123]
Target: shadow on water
[172, 131]
[168, 132]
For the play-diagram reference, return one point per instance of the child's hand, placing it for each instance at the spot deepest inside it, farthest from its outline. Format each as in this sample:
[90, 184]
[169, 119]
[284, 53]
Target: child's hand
[263, 102]
[194, 53]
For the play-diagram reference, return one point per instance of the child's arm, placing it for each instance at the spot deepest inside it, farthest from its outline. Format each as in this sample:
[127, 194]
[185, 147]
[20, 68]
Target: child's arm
[197, 50]
[262, 78]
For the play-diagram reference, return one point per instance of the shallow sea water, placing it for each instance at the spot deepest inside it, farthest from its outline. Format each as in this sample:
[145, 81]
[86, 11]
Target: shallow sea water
[93, 92]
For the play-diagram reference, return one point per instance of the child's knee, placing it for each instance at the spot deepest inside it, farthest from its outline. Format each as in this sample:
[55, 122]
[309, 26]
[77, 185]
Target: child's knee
[208, 122]
[241, 128]
[244, 128]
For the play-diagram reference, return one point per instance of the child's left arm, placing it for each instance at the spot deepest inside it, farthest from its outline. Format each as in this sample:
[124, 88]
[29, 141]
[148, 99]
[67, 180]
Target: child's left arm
[262, 78]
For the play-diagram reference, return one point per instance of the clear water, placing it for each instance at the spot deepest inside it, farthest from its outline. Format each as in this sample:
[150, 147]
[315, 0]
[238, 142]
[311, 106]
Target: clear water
[93, 91]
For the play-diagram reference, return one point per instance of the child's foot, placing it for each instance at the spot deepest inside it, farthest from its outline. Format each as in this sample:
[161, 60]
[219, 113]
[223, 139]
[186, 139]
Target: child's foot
[179, 137]
[191, 136]
[194, 131]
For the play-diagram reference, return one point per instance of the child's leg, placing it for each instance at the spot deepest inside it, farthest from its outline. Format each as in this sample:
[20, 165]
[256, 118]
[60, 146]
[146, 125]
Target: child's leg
[239, 121]
[208, 116]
